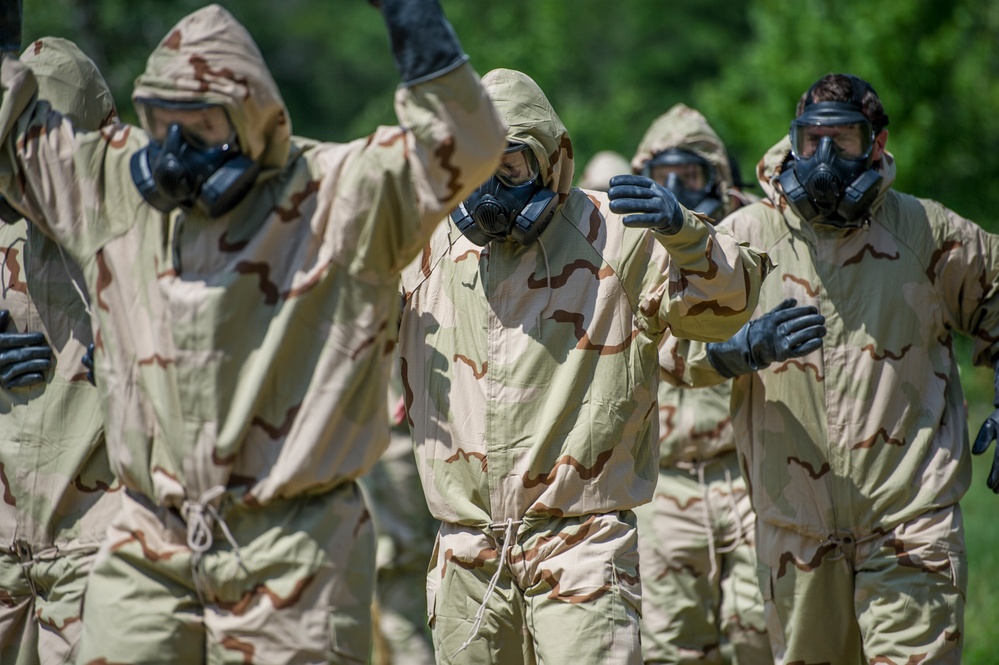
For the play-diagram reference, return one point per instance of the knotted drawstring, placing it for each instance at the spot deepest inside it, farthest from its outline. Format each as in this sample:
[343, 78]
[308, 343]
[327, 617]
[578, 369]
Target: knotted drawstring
[201, 516]
[492, 585]
[713, 552]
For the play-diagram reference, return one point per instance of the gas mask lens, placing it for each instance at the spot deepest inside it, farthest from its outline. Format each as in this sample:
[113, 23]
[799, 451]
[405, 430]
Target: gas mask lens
[518, 166]
[202, 125]
[850, 141]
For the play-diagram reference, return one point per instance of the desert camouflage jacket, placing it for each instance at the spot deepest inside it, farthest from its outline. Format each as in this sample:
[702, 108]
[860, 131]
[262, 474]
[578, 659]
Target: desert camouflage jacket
[530, 372]
[871, 430]
[694, 425]
[55, 480]
[248, 351]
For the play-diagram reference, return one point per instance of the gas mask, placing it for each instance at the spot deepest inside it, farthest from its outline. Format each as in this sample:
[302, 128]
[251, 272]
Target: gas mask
[512, 204]
[183, 171]
[667, 168]
[830, 179]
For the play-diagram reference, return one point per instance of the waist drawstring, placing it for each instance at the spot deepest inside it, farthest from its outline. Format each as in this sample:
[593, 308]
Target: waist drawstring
[477, 624]
[201, 516]
[713, 552]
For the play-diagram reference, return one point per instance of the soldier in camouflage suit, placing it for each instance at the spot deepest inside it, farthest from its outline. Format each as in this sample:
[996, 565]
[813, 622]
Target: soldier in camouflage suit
[243, 353]
[601, 168]
[530, 378]
[58, 490]
[857, 455]
[696, 536]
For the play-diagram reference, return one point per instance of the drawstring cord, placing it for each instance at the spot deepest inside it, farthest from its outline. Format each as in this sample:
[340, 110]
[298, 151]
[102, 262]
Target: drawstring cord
[480, 614]
[714, 552]
[201, 516]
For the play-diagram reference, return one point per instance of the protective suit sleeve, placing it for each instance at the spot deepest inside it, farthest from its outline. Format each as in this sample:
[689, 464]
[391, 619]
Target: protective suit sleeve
[965, 265]
[701, 283]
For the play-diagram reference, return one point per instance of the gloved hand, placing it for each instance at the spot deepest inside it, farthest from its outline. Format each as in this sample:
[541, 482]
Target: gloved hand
[784, 332]
[657, 206]
[88, 362]
[10, 25]
[24, 357]
[989, 433]
[423, 42]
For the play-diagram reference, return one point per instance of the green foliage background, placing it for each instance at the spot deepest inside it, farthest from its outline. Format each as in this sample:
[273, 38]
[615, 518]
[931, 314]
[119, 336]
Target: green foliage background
[610, 68]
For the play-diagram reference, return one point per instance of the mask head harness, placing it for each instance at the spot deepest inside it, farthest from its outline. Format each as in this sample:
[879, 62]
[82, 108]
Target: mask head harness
[513, 204]
[182, 171]
[704, 199]
[830, 179]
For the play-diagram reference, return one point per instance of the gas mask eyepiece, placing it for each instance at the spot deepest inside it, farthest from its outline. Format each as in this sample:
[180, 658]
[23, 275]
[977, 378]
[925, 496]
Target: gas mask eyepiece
[688, 176]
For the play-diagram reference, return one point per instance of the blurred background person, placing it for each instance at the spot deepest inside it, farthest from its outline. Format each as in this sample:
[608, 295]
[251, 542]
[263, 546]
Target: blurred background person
[601, 168]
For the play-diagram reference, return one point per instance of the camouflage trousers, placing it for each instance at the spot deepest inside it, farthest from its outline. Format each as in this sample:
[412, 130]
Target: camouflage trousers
[567, 593]
[895, 597]
[41, 601]
[699, 582]
[297, 589]
[405, 531]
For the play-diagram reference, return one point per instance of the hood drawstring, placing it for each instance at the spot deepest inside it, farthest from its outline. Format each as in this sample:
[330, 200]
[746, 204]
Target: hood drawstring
[480, 614]
[548, 285]
[77, 287]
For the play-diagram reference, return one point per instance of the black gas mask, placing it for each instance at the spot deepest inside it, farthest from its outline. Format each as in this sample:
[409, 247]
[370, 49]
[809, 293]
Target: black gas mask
[830, 179]
[513, 204]
[697, 199]
[183, 171]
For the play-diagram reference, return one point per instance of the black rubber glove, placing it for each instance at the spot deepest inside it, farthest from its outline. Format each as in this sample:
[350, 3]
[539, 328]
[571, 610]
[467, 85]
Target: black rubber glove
[423, 42]
[24, 357]
[10, 25]
[989, 433]
[88, 362]
[654, 206]
[784, 332]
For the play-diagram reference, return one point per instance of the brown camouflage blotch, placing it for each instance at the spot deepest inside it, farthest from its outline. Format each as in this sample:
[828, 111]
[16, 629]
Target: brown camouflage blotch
[675, 286]
[174, 41]
[14, 269]
[712, 433]
[596, 222]
[812, 291]
[293, 211]
[469, 254]
[712, 270]
[317, 276]
[203, 72]
[445, 153]
[542, 509]
[220, 461]
[425, 257]
[116, 136]
[947, 247]
[666, 425]
[147, 552]
[101, 487]
[682, 507]
[554, 583]
[806, 567]
[478, 374]
[280, 431]
[466, 456]
[905, 559]
[880, 434]
[887, 354]
[156, 359]
[713, 306]
[103, 279]
[6, 599]
[53, 625]
[560, 280]
[803, 366]
[8, 498]
[686, 570]
[370, 341]
[36, 47]
[362, 519]
[262, 271]
[103, 661]
[561, 316]
[807, 466]
[568, 460]
[477, 562]
[230, 643]
[239, 607]
[875, 254]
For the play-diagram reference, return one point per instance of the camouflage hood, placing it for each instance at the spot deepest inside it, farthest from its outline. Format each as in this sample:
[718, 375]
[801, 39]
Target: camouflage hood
[684, 127]
[70, 82]
[530, 119]
[772, 163]
[210, 57]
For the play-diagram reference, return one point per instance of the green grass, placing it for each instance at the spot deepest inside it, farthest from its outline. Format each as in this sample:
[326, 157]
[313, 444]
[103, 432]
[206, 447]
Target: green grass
[981, 510]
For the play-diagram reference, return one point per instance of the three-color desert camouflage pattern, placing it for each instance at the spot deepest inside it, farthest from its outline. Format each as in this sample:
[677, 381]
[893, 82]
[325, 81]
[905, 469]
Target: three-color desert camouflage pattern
[246, 354]
[530, 372]
[58, 492]
[696, 535]
[867, 435]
